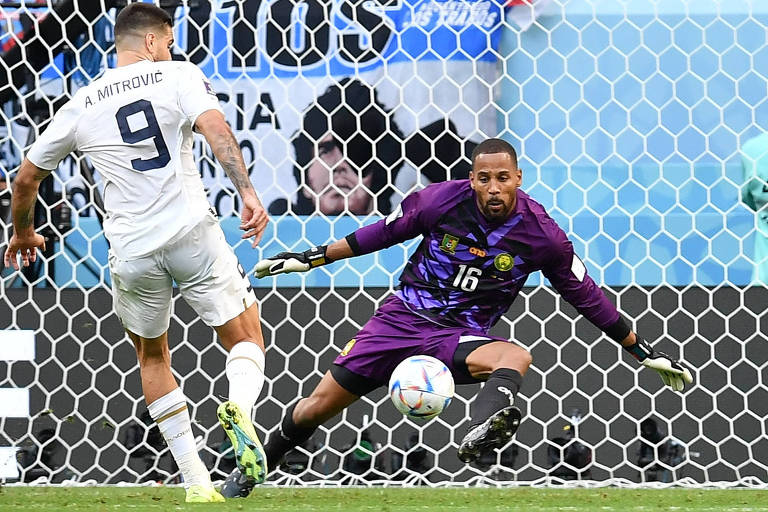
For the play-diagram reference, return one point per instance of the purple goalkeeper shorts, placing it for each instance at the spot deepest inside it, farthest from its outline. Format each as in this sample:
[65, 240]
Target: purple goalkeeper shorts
[395, 333]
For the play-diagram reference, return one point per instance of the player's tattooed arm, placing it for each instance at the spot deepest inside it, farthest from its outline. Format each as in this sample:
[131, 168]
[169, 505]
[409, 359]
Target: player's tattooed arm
[224, 145]
[227, 151]
[25, 187]
[232, 161]
[24, 195]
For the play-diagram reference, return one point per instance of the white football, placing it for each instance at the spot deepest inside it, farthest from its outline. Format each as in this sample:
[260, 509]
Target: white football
[421, 387]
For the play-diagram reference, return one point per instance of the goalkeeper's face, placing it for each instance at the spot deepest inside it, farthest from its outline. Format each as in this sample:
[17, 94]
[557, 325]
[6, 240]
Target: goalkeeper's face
[495, 178]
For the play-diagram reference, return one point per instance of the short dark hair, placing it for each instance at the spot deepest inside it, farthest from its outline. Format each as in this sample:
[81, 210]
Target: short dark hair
[138, 17]
[365, 132]
[489, 146]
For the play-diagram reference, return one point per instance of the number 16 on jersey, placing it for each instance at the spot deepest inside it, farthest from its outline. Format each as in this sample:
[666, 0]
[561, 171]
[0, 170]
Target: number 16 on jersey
[467, 278]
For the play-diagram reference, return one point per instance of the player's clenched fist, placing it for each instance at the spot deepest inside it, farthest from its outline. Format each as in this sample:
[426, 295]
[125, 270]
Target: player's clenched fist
[286, 262]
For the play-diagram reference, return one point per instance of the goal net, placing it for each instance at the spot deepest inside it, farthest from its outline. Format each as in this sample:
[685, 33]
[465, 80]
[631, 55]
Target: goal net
[639, 126]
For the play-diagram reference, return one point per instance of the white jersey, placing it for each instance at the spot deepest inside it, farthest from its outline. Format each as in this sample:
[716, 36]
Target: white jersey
[135, 124]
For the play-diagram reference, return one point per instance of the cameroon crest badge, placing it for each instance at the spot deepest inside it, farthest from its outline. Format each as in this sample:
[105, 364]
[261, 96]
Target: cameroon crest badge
[449, 244]
[504, 262]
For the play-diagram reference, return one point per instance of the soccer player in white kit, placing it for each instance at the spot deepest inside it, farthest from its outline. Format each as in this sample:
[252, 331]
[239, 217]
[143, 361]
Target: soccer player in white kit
[136, 124]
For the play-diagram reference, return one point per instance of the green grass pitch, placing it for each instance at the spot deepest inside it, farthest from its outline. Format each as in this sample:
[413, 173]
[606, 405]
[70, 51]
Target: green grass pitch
[16, 498]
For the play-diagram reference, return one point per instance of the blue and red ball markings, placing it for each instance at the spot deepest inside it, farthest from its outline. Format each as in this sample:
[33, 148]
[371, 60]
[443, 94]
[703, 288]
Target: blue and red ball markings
[411, 407]
[428, 388]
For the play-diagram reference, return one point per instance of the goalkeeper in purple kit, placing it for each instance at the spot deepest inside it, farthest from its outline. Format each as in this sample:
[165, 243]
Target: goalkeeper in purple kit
[482, 237]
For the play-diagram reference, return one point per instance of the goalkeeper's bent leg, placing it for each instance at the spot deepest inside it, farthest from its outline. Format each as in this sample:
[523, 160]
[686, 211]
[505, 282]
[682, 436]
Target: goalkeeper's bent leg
[301, 419]
[505, 364]
[498, 392]
[494, 418]
[287, 437]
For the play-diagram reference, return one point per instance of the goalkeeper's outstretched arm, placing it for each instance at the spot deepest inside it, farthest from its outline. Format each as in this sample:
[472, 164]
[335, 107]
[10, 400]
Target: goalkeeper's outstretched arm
[406, 222]
[569, 276]
[591, 302]
[286, 262]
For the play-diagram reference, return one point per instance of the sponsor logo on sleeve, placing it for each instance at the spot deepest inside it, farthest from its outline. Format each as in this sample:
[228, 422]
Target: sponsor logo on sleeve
[578, 268]
[449, 244]
[504, 262]
[209, 88]
[396, 214]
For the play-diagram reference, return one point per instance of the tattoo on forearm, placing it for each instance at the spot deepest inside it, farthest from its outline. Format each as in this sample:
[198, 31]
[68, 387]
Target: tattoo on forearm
[25, 196]
[26, 218]
[230, 157]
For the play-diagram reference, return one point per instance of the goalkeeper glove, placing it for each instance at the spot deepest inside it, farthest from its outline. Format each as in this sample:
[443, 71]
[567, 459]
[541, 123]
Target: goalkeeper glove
[286, 262]
[673, 373]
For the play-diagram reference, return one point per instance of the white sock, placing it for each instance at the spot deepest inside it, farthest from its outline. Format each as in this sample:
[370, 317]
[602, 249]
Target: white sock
[172, 418]
[245, 371]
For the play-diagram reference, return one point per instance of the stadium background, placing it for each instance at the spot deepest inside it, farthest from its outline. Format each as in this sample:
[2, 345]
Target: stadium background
[629, 117]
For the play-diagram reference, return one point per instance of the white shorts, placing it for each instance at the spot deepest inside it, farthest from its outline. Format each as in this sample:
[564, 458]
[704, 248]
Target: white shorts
[204, 267]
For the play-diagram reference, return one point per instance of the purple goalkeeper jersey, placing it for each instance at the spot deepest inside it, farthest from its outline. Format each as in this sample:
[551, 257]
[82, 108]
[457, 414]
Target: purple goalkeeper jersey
[467, 271]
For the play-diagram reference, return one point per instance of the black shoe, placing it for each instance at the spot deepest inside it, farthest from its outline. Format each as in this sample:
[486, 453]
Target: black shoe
[494, 432]
[237, 485]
